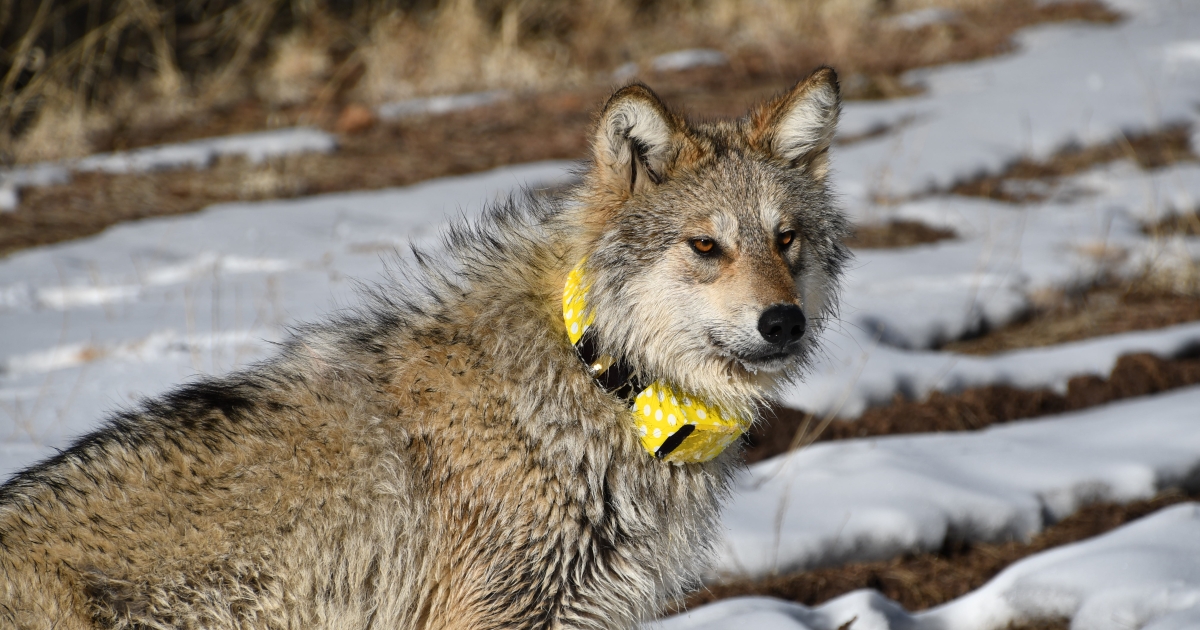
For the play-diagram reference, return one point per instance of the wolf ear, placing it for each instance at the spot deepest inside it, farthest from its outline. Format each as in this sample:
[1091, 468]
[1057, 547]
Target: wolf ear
[798, 126]
[633, 143]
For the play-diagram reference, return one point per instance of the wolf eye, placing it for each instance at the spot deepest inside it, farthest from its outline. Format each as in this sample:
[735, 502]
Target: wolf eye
[704, 246]
[786, 238]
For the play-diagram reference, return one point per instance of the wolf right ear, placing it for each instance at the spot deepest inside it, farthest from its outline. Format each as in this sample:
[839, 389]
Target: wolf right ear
[798, 126]
[633, 147]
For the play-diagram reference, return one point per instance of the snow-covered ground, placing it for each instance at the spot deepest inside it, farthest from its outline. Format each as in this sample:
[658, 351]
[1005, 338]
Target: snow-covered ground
[1145, 575]
[89, 325]
[254, 147]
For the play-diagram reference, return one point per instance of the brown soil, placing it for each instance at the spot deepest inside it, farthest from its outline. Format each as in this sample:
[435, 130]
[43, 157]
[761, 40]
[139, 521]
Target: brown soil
[1096, 312]
[974, 408]
[896, 234]
[1149, 150]
[920, 581]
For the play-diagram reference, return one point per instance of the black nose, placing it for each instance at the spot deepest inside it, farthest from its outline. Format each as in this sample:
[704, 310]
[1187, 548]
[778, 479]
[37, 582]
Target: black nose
[782, 324]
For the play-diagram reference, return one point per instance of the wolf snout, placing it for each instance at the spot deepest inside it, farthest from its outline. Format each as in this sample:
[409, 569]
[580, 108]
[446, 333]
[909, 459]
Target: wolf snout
[782, 324]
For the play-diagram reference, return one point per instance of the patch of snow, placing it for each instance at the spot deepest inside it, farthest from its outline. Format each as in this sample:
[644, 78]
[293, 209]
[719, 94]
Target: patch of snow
[869, 610]
[1141, 575]
[1124, 579]
[206, 263]
[690, 58]
[10, 199]
[871, 499]
[440, 104]
[625, 72]
[43, 174]
[154, 347]
[255, 147]
[913, 20]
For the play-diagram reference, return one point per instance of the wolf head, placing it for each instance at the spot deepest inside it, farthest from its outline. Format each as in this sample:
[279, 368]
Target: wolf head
[714, 249]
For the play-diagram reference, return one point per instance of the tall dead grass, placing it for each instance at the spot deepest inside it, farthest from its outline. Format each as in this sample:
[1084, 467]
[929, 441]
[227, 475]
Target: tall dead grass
[74, 70]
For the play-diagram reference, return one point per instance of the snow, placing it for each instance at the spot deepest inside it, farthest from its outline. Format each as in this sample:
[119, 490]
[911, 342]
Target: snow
[92, 324]
[851, 379]
[13, 180]
[687, 59]
[1082, 83]
[440, 104]
[913, 20]
[1143, 575]
[255, 147]
[870, 499]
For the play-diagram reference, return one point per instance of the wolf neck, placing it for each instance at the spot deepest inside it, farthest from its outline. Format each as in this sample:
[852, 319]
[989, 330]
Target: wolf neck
[674, 425]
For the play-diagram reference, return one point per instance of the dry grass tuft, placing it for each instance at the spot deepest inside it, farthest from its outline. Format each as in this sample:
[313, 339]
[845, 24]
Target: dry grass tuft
[1028, 180]
[896, 234]
[1185, 224]
[1099, 311]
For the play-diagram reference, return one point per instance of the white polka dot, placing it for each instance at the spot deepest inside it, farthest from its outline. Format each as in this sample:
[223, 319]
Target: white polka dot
[674, 402]
[700, 414]
[687, 402]
[575, 328]
[570, 313]
[644, 430]
[646, 411]
[671, 419]
[661, 395]
[658, 415]
[657, 433]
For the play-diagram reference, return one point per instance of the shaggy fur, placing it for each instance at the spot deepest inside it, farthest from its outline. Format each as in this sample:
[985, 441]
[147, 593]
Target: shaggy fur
[440, 458]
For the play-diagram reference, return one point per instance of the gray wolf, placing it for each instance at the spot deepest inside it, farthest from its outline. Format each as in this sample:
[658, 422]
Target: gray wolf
[441, 457]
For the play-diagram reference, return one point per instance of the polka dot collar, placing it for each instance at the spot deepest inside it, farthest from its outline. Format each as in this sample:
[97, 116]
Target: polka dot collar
[673, 426]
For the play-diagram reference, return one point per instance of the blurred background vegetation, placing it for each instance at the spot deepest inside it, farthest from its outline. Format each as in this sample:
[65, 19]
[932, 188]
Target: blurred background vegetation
[78, 71]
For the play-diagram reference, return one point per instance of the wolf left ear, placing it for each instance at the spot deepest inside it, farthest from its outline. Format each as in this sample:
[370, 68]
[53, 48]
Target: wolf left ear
[797, 127]
[633, 147]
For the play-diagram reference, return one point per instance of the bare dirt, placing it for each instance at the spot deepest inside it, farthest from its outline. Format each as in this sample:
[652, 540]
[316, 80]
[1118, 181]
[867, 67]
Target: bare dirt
[920, 581]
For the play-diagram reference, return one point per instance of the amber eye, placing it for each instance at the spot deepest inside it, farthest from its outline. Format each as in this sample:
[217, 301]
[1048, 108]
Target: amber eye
[786, 238]
[704, 245]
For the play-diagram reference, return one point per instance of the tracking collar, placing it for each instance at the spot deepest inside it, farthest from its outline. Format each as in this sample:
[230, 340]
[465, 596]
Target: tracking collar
[673, 426]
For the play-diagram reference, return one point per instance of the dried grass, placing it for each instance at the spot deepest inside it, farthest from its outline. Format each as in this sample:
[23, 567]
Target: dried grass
[134, 63]
[1148, 150]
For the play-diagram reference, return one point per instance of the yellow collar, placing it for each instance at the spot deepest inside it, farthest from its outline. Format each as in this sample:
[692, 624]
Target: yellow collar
[674, 426]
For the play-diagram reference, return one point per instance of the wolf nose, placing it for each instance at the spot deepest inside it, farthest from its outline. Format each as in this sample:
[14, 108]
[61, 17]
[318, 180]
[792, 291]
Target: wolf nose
[782, 324]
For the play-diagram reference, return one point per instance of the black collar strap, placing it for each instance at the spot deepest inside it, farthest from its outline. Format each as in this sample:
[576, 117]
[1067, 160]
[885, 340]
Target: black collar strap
[614, 375]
